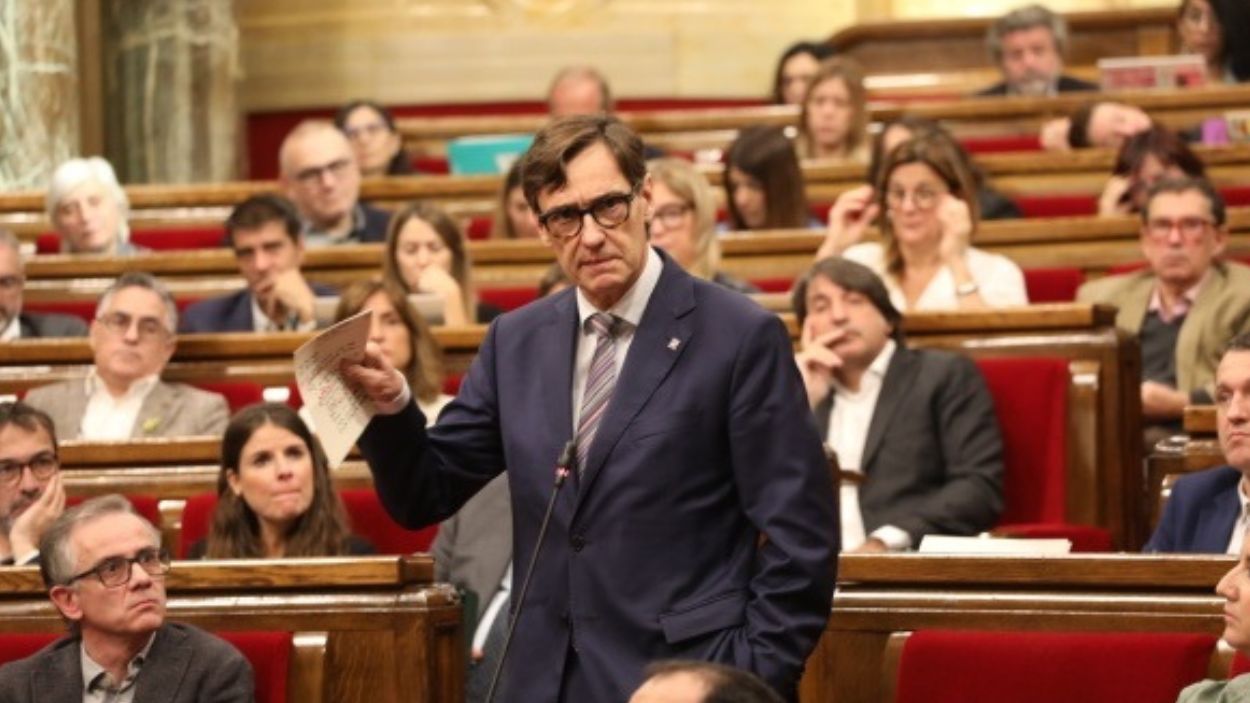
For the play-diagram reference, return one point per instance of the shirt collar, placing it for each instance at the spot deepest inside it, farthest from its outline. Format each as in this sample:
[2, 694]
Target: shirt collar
[138, 389]
[876, 370]
[1181, 307]
[95, 677]
[13, 330]
[631, 305]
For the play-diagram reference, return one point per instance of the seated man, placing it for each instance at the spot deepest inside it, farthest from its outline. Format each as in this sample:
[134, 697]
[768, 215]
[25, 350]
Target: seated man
[1207, 511]
[105, 572]
[918, 424]
[579, 90]
[15, 324]
[675, 681]
[31, 495]
[1028, 45]
[318, 172]
[123, 396]
[265, 233]
[1185, 305]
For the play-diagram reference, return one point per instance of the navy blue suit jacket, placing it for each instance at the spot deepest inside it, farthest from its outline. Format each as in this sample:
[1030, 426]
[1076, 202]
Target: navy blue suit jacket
[227, 313]
[654, 552]
[1200, 513]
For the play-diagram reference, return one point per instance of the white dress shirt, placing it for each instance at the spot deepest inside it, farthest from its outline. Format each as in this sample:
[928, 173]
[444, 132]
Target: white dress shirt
[1000, 280]
[262, 323]
[848, 431]
[493, 610]
[1238, 538]
[629, 308]
[107, 417]
[11, 331]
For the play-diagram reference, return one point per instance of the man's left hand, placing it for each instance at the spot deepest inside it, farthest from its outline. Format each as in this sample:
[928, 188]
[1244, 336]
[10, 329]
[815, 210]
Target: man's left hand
[1162, 402]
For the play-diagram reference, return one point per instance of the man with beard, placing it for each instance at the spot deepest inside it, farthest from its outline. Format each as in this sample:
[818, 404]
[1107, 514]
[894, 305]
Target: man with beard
[917, 424]
[1028, 45]
[31, 495]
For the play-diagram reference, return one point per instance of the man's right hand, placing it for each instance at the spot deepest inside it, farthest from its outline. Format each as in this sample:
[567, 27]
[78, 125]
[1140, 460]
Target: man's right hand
[818, 362]
[31, 524]
[381, 382]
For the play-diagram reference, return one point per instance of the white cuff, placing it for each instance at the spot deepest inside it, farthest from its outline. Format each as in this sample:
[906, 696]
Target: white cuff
[400, 401]
[895, 538]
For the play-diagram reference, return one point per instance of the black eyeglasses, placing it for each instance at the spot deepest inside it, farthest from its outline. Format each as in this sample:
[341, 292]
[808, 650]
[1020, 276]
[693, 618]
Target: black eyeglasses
[115, 571]
[119, 324]
[42, 465]
[314, 174]
[608, 211]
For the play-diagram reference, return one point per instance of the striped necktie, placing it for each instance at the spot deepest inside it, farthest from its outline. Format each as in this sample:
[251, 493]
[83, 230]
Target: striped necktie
[599, 383]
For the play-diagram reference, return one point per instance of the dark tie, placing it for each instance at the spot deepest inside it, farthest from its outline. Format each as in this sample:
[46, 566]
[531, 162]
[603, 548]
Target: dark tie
[600, 382]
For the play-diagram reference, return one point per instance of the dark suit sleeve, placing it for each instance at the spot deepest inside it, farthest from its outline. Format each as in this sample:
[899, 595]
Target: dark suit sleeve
[228, 677]
[423, 477]
[972, 452]
[1164, 537]
[786, 491]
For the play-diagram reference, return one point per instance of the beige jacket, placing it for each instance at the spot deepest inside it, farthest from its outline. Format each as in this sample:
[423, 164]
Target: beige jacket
[169, 410]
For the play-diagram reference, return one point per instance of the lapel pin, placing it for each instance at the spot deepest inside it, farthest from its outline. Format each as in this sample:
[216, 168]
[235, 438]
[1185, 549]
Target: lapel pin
[673, 344]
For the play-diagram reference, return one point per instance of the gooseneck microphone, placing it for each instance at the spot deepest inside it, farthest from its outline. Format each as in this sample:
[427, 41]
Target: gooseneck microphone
[563, 466]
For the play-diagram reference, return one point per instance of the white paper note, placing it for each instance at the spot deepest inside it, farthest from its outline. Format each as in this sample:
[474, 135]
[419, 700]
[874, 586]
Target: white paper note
[339, 411]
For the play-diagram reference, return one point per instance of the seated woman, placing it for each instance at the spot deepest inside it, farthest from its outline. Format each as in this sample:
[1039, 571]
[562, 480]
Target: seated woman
[274, 494]
[1201, 32]
[834, 121]
[426, 253]
[88, 208]
[1145, 159]
[404, 338]
[1235, 588]
[513, 218]
[683, 221]
[795, 69]
[994, 205]
[763, 182]
[379, 147]
[928, 217]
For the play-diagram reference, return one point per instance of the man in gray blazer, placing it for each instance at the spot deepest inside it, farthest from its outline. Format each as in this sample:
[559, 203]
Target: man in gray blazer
[918, 425]
[132, 338]
[105, 572]
[15, 324]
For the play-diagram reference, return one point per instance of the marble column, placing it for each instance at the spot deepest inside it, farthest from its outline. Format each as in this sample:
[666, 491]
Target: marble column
[171, 72]
[38, 90]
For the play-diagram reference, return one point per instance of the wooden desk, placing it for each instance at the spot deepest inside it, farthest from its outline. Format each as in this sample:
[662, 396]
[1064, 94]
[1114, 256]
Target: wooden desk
[883, 594]
[391, 634]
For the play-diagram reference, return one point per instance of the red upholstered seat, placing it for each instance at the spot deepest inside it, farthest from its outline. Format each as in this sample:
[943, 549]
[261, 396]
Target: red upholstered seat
[479, 227]
[1075, 205]
[819, 211]
[1235, 196]
[1031, 404]
[48, 243]
[781, 284]
[1240, 665]
[451, 384]
[1001, 143]
[270, 656]
[1053, 285]
[367, 516]
[176, 238]
[509, 298]
[939, 666]
[15, 646]
[238, 394]
[431, 164]
[84, 309]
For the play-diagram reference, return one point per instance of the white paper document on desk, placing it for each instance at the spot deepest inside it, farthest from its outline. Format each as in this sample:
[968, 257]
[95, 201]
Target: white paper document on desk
[339, 411]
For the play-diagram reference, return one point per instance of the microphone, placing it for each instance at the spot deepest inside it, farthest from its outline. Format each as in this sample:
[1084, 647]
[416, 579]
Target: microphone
[563, 466]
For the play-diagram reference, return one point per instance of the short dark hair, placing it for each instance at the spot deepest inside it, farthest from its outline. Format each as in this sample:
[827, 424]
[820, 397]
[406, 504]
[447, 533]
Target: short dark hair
[401, 164]
[1078, 125]
[817, 50]
[725, 683]
[27, 417]
[1182, 185]
[260, 210]
[852, 276]
[1023, 18]
[764, 153]
[1240, 342]
[1162, 143]
[543, 166]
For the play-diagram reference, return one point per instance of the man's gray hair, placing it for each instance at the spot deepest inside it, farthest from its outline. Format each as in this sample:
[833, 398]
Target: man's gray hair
[139, 279]
[74, 173]
[1023, 18]
[56, 553]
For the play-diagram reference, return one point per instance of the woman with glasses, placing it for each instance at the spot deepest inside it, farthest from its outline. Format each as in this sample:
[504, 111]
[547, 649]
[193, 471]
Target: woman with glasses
[683, 221]
[274, 494]
[834, 121]
[426, 253]
[763, 182]
[379, 147]
[924, 202]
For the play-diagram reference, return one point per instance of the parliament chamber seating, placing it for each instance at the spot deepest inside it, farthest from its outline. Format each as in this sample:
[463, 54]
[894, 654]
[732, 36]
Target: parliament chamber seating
[954, 666]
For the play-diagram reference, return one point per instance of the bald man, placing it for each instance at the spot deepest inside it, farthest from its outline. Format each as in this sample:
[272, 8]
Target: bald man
[319, 173]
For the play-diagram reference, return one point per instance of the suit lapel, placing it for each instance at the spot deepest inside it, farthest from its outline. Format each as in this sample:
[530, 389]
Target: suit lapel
[155, 411]
[1215, 521]
[59, 679]
[1134, 303]
[166, 666]
[899, 376]
[1188, 342]
[661, 338]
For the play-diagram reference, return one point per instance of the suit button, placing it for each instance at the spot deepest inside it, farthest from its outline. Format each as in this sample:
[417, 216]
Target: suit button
[578, 542]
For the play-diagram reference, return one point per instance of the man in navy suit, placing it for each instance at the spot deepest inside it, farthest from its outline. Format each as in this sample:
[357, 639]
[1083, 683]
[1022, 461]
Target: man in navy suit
[265, 233]
[699, 521]
[1207, 511]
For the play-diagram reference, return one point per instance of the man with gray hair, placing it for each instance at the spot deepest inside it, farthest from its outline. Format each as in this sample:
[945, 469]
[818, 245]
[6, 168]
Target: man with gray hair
[132, 339]
[1028, 44]
[88, 208]
[15, 324]
[105, 572]
[579, 90]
